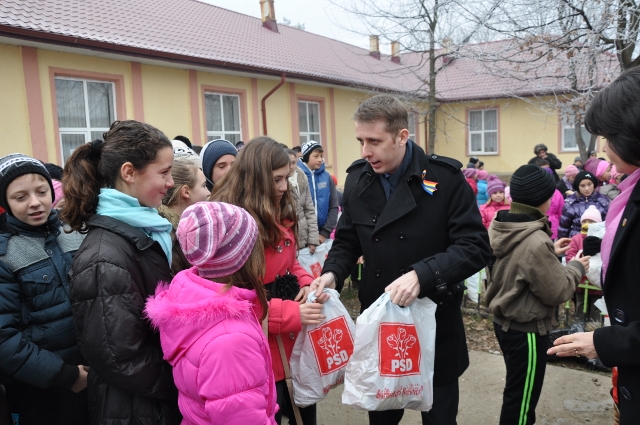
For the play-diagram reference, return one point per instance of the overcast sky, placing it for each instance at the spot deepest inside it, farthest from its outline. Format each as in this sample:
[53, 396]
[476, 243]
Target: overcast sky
[318, 16]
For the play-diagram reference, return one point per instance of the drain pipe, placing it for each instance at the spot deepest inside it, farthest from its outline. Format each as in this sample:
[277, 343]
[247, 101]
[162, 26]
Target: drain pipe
[264, 100]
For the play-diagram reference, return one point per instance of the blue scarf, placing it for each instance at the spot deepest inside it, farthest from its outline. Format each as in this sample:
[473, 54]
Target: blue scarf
[127, 209]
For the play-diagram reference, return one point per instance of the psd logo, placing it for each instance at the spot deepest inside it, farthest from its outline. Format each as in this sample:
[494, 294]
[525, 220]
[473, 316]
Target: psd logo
[332, 344]
[399, 350]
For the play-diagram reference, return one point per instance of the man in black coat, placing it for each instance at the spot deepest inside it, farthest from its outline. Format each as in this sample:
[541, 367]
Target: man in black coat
[416, 242]
[541, 153]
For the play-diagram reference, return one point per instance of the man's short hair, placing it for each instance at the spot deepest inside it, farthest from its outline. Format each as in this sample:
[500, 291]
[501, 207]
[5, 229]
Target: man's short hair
[383, 108]
[296, 149]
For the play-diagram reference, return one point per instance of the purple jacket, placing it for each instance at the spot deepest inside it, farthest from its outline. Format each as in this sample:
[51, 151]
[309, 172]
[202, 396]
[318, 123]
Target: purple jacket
[574, 206]
[220, 356]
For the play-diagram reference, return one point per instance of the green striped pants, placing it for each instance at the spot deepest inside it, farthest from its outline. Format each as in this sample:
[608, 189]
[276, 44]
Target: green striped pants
[525, 356]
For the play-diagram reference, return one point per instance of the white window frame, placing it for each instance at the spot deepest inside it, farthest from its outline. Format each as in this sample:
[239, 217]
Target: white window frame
[88, 129]
[412, 128]
[215, 135]
[483, 132]
[311, 135]
[566, 126]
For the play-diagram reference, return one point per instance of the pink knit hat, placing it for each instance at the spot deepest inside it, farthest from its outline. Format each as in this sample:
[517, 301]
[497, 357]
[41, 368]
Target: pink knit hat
[602, 167]
[571, 171]
[494, 184]
[216, 238]
[57, 190]
[614, 174]
[482, 174]
[469, 172]
[591, 213]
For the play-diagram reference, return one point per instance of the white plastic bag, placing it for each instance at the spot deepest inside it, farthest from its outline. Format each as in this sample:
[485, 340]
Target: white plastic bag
[313, 263]
[595, 262]
[392, 362]
[321, 352]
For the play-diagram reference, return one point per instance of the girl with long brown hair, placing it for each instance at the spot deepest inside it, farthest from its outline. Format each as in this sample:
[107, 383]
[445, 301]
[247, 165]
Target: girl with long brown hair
[112, 189]
[258, 183]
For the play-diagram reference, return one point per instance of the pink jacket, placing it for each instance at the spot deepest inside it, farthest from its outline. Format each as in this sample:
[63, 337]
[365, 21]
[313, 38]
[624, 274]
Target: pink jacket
[575, 245]
[555, 212]
[220, 356]
[488, 211]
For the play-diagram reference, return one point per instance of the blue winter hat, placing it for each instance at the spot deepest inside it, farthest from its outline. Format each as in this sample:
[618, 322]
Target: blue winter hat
[211, 153]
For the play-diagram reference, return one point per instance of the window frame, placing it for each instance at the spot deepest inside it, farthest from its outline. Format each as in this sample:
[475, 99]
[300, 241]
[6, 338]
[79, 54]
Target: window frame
[213, 135]
[469, 132]
[562, 126]
[87, 130]
[320, 121]
[244, 120]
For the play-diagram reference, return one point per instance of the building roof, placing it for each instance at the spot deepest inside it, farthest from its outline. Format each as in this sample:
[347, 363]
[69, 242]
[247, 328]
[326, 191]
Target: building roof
[196, 33]
[200, 33]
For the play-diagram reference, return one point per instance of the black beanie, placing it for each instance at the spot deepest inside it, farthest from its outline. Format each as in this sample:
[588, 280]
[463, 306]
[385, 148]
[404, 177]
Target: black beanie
[531, 185]
[584, 175]
[15, 165]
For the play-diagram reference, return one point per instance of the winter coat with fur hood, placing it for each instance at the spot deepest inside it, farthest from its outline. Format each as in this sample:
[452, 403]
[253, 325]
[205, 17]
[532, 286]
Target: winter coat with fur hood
[527, 281]
[306, 212]
[220, 357]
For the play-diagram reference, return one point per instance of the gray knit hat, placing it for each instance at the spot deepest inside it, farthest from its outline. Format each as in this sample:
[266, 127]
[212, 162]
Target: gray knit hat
[531, 185]
[15, 165]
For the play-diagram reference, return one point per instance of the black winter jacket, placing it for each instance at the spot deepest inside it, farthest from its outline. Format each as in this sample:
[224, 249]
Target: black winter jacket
[37, 339]
[114, 271]
[619, 344]
[440, 236]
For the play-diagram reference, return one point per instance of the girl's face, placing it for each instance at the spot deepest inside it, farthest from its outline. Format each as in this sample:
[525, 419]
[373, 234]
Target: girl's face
[497, 196]
[606, 176]
[199, 192]
[293, 160]
[150, 184]
[570, 179]
[280, 181]
[586, 187]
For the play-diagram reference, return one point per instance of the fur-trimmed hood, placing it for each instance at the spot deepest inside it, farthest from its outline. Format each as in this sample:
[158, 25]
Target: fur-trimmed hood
[192, 305]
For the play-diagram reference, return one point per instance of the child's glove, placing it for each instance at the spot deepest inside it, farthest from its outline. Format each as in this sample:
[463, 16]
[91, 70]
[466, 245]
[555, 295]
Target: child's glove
[591, 245]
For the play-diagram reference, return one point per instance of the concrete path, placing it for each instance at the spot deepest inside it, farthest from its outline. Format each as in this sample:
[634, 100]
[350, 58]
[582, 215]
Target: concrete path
[568, 397]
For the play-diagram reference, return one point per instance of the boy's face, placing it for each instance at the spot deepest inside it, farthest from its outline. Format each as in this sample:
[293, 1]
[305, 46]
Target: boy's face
[315, 160]
[29, 198]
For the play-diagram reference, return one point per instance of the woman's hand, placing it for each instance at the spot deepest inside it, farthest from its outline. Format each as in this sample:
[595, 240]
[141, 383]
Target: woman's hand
[302, 295]
[322, 239]
[81, 382]
[312, 249]
[311, 313]
[574, 345]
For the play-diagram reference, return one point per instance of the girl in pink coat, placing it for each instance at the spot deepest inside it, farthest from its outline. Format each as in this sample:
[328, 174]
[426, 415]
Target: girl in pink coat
[209, 320]
[497, 201]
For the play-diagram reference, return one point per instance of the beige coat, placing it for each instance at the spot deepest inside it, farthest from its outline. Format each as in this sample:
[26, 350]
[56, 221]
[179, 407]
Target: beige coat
[527, 279]
[307, 221]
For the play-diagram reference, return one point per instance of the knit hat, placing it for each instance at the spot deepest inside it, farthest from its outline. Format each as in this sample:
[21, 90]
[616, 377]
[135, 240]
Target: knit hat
[473, 160]
[181, 150]
[591, 213]
[602, 167]
[309, 147]
[531, 185]
[15, 165]
[584, 175]
[55, 171]
[614, 173]
[469, 172]
[57, 190]
[494, 184]
[591, 165]
[482, 174]
[216, 238]
[571, 171]
[577, 158]
[211, 153]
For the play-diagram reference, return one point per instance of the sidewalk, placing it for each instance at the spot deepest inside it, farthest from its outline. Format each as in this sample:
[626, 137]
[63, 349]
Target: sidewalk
[568, 397]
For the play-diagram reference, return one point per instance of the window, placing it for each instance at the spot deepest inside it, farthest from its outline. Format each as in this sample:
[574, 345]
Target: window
[223, 117]
[309, 121]
[412, 126]
[86, 109]
[483, 131]
[569, 143]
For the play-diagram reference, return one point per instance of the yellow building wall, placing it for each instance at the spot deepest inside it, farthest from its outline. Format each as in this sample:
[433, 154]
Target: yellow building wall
[521, 126]
[346, 102]
[165, 93]
[14, 115]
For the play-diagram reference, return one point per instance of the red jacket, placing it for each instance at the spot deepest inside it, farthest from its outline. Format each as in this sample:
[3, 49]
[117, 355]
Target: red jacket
[489, 210]
[473, 184]
[284, 315]
[574, 246]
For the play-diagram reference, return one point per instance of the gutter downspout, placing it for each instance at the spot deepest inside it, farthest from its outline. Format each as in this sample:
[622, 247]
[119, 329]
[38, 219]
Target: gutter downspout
[264, 100]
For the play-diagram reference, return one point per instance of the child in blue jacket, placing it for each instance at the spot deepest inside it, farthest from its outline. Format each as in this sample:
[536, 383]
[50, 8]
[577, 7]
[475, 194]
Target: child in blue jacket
[41, 366]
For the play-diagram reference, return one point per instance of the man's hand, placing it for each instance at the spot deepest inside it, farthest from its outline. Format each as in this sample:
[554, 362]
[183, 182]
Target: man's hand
[327, 280]
[312, 249]
[81, 381]
[302, 294]
[322, 239]
[404, 289]
[562, 245]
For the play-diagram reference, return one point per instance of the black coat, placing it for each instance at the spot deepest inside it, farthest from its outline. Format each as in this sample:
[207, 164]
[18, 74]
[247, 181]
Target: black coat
[554, 164]
[440, 236]
[619, 344]
[114, 271]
